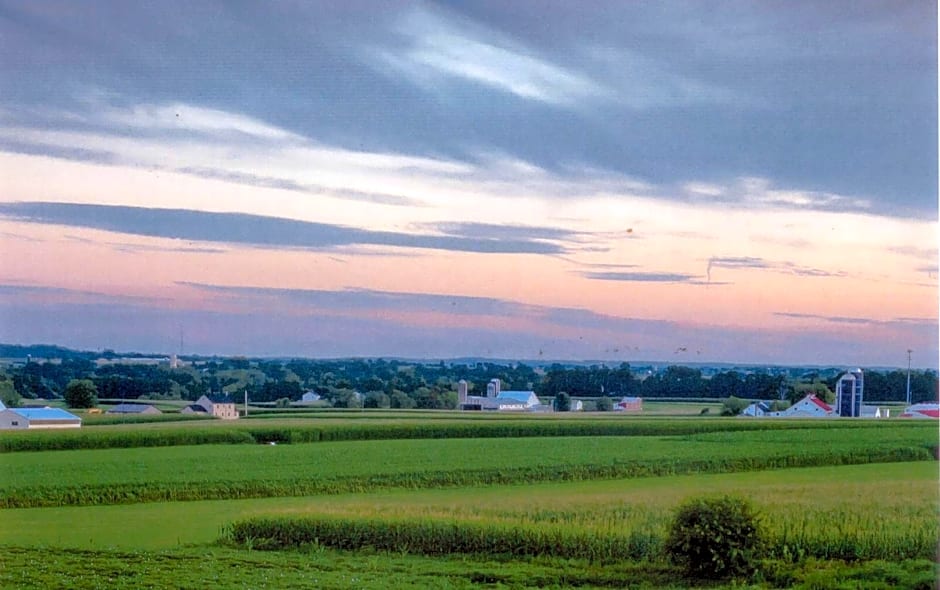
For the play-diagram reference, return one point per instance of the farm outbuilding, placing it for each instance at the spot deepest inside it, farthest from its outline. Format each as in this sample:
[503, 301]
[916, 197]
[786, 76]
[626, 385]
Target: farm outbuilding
[37, 418]
[220, 406]
[808, 407]
[136, 409]
[925, 410]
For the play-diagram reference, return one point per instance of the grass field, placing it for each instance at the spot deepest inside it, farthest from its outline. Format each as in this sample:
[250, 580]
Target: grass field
[599, 504]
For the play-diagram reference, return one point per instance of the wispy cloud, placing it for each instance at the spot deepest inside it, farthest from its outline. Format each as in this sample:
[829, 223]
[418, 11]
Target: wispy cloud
[433, 50]
[754, 191]
[642, 277]
[254, 230]
[928, 323]
[750, 262]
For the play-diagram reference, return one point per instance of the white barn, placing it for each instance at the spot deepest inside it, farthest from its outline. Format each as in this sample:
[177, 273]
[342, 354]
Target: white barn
[36, 418]
[808, 407]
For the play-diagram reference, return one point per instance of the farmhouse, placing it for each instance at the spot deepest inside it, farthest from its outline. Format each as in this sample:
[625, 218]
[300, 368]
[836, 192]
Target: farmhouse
[36, 418]
[220, 406]
[136, 409]
[756, 409]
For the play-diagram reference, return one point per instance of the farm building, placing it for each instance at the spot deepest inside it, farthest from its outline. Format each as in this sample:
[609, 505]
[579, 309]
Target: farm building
[926, 410]
[309, 397]
[498, 400]
[36, 418]
[136, 409]
[808, 407]
[629, 404]
[757, 409]
[220, 406]
[850, 391]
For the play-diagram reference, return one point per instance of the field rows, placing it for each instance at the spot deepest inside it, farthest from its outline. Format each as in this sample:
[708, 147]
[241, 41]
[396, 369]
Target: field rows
[241, 471]
[295, 431]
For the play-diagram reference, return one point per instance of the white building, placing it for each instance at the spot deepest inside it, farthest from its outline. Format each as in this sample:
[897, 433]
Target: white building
[757, 409]
[36, 418]
[926, 410]
[310, 397]
[220, 406]
[498, 400]
[808, 407]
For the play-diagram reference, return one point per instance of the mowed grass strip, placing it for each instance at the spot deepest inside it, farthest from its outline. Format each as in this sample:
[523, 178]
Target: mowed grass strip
[243, 471]
[390, 427]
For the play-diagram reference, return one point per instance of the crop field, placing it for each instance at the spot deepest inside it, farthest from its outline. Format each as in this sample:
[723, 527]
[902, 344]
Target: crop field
[359, 425]
[846, 503]
[51, 478]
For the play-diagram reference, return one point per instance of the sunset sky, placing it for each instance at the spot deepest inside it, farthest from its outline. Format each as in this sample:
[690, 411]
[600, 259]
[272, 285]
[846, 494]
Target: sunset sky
[747, 182]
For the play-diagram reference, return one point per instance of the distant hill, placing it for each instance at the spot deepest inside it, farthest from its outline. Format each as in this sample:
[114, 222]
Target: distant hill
[51, 351]
[43, 351]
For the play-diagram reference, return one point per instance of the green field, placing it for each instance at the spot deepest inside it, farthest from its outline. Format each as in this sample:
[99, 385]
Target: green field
[852, 503]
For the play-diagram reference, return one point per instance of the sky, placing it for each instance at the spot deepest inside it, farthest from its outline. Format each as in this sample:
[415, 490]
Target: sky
[680, 181]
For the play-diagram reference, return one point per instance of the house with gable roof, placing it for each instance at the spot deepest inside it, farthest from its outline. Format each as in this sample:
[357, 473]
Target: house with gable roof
[218, 405]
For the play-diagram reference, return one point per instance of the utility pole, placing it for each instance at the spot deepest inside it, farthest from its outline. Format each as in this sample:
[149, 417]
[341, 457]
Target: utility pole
[909, 351]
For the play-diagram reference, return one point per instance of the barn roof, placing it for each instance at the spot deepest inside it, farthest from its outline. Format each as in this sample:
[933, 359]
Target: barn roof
[517, 396]
[129, 408]
[819, 402]
[46, 414]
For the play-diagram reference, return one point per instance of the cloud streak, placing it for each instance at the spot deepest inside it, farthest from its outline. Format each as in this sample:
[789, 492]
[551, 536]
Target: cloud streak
[254, 230]
[755, 263]
[433, 50]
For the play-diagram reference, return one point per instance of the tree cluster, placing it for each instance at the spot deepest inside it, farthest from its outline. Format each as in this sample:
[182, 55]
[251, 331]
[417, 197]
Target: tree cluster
[381, 383]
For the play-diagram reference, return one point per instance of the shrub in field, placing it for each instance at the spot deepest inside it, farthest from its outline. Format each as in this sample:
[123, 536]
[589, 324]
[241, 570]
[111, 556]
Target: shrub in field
[715, 538]
[733, 406]
[81, 393]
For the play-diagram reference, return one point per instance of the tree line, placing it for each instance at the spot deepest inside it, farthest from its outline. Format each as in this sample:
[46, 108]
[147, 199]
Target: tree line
[400, 384]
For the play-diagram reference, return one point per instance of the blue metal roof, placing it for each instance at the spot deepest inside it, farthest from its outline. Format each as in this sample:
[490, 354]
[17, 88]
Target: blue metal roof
[45, 414]
[519, 396]
[129, 408]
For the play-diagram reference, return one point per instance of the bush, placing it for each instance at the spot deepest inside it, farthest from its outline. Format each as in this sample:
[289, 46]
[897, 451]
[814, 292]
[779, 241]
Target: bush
[81, 393]
[733, 406]
[604, 404]
[715, 538]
